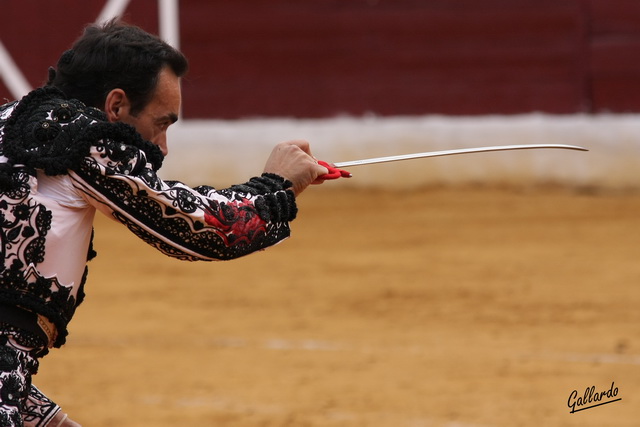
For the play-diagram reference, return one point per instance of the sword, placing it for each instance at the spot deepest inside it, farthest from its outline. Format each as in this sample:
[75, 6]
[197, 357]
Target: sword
[450, 152]
[336, 172]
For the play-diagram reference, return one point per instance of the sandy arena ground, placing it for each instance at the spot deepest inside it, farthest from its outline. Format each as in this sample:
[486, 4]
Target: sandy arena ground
[440, 307]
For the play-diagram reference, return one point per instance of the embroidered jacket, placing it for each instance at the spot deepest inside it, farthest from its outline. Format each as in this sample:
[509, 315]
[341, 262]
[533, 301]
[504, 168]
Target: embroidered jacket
[60, 161]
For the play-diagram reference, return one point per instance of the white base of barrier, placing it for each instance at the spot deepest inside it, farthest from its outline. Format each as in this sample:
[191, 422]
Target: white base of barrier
[221, 153]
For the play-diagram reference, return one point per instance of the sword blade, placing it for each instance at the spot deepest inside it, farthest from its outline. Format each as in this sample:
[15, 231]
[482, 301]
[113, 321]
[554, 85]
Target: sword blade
[456, 151]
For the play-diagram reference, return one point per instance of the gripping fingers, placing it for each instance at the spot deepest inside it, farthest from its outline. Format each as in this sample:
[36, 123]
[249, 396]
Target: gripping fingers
[334, 173]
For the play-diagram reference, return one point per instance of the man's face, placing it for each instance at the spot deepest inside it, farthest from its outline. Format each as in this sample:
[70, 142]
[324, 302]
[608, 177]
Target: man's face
[161, 111]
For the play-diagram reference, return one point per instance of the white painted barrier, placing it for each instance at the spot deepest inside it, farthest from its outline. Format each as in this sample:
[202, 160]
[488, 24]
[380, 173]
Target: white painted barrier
[221, 153]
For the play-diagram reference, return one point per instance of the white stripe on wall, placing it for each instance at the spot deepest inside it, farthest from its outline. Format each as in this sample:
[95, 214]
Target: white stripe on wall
[222, 153]
[13, 78]
[169, 25]
[112, 9]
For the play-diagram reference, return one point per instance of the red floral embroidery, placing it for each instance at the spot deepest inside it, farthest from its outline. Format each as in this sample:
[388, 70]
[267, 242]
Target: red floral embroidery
[236, 222]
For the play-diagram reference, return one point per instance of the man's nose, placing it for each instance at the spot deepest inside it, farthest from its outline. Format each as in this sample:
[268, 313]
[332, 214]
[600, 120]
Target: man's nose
[161, 142]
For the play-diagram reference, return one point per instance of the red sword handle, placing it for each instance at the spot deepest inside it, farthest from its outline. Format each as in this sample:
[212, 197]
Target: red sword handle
[334, 173]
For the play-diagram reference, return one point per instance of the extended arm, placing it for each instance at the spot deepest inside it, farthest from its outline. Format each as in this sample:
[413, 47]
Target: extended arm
[187, 223]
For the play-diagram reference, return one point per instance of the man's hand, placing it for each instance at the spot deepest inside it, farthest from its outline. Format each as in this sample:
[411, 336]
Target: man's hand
[293, 160]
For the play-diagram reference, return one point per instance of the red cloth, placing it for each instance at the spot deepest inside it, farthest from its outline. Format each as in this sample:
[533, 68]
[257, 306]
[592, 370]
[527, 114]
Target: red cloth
[334, 173]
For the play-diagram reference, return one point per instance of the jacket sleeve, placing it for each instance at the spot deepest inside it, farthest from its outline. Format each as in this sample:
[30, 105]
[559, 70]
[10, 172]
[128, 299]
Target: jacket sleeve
[199, 223]
[114, 169]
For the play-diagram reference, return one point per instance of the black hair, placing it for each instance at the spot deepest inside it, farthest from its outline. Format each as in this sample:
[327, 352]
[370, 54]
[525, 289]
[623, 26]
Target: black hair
[115, 55]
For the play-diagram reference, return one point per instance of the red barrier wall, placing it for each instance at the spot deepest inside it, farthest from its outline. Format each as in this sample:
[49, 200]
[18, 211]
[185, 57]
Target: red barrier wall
[319, 58]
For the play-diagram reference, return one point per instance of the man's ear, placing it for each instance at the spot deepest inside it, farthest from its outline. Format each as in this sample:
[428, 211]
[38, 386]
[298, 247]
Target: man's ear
[117, 105]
